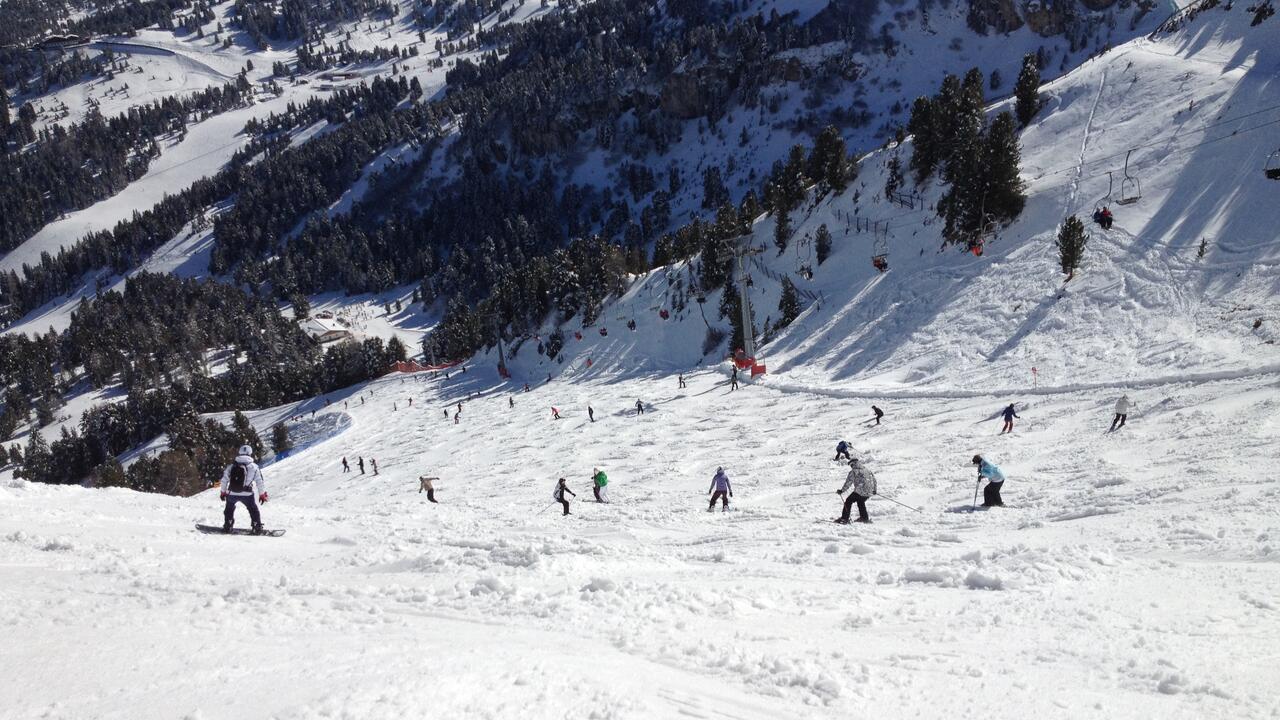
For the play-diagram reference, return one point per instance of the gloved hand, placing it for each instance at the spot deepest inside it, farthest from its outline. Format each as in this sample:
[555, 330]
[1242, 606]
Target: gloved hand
[263, 498]
[222, 496]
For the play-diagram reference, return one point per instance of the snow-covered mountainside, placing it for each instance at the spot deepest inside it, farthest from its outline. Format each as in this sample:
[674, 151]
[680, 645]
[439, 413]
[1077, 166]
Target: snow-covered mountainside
[1132, 574]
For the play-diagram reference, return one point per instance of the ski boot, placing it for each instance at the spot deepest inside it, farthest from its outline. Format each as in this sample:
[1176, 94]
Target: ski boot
[226, 528]
[257, 529]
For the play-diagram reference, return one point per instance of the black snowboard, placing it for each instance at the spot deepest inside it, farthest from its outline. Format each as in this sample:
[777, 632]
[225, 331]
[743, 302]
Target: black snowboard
[216, 530]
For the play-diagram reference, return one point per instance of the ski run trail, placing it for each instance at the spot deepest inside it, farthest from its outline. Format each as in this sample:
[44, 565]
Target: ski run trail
[1133, 574]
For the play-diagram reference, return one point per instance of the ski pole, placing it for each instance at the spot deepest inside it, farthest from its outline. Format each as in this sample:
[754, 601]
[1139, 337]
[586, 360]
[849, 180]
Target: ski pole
[886, 497]
[553, 504]
[975, 490]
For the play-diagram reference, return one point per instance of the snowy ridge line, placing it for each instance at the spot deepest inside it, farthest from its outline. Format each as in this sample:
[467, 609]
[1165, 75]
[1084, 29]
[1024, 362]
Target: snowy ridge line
[1189, 379]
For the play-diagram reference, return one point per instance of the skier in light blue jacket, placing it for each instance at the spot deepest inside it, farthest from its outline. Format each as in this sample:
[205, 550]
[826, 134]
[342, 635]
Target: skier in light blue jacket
[995, 480]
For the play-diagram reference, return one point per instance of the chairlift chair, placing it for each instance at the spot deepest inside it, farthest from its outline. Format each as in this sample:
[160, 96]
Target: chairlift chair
[880, 258]
[1272, 168]
[1130, 186]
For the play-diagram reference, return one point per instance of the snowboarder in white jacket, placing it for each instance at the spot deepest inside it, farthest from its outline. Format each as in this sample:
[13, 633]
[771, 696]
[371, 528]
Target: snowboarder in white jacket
[1122, 413]
[863, 483]
[241, 481]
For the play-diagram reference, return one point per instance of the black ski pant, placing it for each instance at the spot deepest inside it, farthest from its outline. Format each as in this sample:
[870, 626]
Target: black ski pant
[596, 490]
[991, 494]
[722, 496]
[862, 507]
[1119, 420]
[565, 503]
[1008, 427]
[229, 514]
[844, 453]
[431, 494]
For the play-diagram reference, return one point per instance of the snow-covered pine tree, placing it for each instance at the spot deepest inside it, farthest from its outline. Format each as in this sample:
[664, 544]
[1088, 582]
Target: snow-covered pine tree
[822, 243]
[782, 231]
[1071, 242]
[280, 440]
[1027, 90]
[788, 304]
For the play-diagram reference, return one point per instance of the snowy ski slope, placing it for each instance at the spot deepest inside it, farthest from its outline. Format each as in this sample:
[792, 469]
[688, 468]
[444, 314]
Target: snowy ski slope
[1132, 575]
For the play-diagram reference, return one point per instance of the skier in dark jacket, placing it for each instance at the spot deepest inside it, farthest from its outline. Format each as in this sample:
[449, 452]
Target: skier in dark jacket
[842, 450]
[346, 468]
[733, 379]
[238, 485]
[591, 413]
[879, 413]
[558, 494]
[1009, 415]
[863, 483]
[722, 491]
[360, 464]
[639, 408]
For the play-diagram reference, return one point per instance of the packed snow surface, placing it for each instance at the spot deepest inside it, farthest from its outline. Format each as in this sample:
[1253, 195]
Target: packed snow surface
[1132, 574]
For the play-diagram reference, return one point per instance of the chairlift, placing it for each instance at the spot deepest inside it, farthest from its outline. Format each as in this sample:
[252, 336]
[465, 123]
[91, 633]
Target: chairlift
[880, 258]
[1272, 168]
[1105, 200]
[1130, 186]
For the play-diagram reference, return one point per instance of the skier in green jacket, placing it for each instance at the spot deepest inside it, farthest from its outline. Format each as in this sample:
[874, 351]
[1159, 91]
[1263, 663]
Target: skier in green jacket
[599, 480]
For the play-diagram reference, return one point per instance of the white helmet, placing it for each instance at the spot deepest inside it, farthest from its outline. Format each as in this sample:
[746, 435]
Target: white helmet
[246, 450]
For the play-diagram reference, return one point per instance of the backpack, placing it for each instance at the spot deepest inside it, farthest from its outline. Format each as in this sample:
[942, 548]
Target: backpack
[238, 476]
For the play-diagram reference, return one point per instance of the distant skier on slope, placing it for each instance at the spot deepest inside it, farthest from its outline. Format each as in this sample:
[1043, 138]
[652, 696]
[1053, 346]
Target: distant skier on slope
[995, 480]
[239, 481]
[511, 402]
[863, 483]
[878, 412]
[558, 494]
[425, 483]
[555, 413]
[842, 450]
[346, 467]
[733, 379]
[1122, 413]
[722, 491]
[1009, 415]
[599, 483]
[360, 463]
[680, 379]
[639, 408]
[591, 413]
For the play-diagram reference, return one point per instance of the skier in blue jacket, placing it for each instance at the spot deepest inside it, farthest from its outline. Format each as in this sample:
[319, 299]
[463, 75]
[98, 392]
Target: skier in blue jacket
[842, 449]
[995, 480]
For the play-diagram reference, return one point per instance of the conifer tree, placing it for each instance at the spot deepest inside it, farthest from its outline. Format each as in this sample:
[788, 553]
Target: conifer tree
[822, 244]
[1027, 90]
[828, 162]
[788, 304]
[925, 150]
[1071, 242]
[280, 440]
[782, 232]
